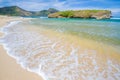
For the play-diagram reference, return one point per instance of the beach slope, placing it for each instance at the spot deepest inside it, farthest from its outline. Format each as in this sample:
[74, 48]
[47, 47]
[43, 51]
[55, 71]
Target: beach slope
[9, 69]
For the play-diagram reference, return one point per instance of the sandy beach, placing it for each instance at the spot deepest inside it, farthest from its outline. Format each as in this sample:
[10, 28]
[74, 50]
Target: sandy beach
[55, 55]
[9, 69]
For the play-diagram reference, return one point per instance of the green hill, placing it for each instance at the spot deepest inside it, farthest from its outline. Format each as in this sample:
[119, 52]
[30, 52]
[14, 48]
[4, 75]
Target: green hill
[98, 14]
[17, 11]
[44, 12]
[53, 13]
[14, 11]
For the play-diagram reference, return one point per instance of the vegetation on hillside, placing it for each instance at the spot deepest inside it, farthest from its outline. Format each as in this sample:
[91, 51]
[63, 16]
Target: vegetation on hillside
[66, 13]
[44, 12]
[82, 14]
[53, 13]
[14, 11]
[17, 11]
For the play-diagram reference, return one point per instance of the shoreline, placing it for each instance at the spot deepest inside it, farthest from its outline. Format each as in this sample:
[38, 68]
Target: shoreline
[104, 55]
[10, 69]
[95, 54]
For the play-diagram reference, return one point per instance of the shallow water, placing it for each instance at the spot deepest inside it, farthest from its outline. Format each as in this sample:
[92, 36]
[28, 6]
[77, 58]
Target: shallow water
[56, 54]
[107, 30]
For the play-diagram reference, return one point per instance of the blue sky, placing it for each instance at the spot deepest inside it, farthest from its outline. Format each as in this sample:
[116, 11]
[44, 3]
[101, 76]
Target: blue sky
[36, 5]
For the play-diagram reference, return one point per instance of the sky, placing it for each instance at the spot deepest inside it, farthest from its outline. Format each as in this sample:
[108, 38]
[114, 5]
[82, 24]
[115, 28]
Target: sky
[37, 5]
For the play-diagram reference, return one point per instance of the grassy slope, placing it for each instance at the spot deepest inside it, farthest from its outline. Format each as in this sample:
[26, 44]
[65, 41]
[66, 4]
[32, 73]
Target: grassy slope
[81, 13]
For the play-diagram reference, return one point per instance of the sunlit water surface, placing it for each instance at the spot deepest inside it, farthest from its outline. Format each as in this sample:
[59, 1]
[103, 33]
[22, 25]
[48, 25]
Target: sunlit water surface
[66, 49]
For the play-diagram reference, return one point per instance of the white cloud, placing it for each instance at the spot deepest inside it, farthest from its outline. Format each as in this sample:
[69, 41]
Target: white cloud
[116, 10]
[35, 6]
[1, 1]
[60, 5]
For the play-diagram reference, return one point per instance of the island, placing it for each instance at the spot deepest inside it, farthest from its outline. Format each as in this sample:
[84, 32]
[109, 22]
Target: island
[97, 14]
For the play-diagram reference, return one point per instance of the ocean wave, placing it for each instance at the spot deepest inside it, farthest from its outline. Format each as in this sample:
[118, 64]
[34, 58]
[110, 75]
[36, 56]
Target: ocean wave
[55, 59]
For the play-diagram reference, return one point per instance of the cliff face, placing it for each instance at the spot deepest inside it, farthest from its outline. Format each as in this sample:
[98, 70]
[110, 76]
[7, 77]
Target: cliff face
[98, 14]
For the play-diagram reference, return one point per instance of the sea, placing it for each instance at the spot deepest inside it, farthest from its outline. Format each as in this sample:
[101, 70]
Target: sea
[65, 48]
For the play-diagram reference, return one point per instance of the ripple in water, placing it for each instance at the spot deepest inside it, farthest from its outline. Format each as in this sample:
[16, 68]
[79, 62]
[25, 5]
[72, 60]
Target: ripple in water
[55, 60]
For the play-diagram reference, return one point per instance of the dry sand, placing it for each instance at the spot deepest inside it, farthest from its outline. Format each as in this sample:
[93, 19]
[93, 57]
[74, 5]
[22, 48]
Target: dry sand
[9, 69]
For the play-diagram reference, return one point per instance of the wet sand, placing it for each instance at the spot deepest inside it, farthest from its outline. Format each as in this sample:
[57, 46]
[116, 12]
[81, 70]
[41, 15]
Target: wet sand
[9, 69]
[93, 59]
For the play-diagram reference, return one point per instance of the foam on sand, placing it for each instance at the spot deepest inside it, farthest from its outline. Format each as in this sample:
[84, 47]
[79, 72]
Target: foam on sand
[55, 58]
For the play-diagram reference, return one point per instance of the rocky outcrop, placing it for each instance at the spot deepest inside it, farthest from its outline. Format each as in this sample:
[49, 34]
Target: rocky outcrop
[98, 14]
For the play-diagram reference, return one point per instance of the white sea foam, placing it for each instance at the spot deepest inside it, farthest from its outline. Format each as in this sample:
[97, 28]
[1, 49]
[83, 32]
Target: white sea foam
[40, 54]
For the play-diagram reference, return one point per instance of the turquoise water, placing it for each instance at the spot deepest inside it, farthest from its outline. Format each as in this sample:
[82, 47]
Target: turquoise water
[55, 58]
[107, 30]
